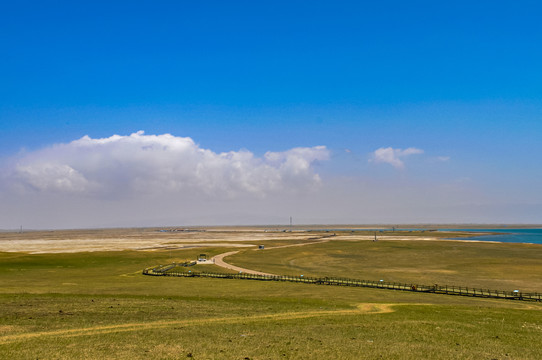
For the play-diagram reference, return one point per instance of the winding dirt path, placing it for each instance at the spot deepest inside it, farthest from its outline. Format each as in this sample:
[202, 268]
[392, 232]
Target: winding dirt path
[219, 259]
[364, 308]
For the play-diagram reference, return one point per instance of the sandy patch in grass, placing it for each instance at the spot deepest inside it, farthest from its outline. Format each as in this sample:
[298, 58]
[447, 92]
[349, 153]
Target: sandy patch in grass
[376, 308]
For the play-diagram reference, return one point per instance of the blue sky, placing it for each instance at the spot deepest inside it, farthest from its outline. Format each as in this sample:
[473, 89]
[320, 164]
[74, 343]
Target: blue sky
[461, 82]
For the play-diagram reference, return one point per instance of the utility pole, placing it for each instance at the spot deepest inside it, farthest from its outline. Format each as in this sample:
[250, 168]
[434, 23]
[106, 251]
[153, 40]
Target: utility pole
[290, 223]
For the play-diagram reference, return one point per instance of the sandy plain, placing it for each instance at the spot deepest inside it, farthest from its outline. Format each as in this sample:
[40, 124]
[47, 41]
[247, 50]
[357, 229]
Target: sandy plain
[151, 239]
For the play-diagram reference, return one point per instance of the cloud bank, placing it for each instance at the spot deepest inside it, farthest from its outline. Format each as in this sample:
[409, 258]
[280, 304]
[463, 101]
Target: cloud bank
[162, 180]
[120, 166]
[392, 156]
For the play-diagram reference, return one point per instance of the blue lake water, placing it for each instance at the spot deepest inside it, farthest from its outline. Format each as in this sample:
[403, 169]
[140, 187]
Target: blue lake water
[509, 235]
[529, 236]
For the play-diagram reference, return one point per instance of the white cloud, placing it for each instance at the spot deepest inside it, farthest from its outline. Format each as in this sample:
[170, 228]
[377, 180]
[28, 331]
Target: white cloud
[150, 164]
[45, 176]
[393, 156]
[155, 180]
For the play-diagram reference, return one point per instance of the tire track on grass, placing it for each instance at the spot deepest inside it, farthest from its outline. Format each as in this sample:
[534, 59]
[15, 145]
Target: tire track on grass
[364, 308]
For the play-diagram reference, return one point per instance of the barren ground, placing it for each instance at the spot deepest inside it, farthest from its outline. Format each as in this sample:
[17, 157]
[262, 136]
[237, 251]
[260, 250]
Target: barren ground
[70, 241]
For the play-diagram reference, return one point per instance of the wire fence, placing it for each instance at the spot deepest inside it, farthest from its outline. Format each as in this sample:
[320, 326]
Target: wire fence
[169, 270]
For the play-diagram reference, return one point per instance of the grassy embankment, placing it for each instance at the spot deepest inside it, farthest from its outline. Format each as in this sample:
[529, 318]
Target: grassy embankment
[97, 305]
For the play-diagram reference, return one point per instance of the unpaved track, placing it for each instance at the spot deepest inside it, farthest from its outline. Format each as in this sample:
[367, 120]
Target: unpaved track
[219, 259]
[323, 239]
[364, 308]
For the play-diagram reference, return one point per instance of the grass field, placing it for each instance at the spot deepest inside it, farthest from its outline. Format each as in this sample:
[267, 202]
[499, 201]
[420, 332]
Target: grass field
[484, 265]
[98, 305]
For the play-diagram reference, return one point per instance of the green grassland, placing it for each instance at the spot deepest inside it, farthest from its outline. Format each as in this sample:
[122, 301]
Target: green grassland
[501, 266]
[98, 305]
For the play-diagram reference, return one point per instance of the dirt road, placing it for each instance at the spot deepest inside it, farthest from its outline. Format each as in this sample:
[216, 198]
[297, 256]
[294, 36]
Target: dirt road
[218, 260]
